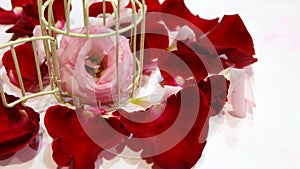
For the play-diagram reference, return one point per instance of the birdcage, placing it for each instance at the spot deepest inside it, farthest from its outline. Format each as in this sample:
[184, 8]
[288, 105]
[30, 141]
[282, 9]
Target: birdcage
[50, 31]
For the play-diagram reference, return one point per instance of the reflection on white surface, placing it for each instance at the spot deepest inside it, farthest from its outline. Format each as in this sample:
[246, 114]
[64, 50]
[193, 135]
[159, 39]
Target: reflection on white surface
[266, 139]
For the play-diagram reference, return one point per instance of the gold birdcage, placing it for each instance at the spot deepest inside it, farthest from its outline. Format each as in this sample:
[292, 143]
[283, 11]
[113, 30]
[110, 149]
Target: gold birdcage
[49, 37]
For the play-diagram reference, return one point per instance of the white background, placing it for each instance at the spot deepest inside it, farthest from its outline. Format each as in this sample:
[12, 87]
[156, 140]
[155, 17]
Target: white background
[269, 138]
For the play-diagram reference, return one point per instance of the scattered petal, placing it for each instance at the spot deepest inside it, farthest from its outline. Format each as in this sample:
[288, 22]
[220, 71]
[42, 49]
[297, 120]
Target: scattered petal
[26, 60]
[179, 9]
[18, 128]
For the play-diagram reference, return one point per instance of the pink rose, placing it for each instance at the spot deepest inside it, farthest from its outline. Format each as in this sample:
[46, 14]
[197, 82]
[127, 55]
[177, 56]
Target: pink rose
[88, 66]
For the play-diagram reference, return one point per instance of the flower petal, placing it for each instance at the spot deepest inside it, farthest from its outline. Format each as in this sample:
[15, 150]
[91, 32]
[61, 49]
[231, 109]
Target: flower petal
[152, 5]
[77, 81]
[8, 17]
[179, 9]
[19, 127]
[80, 135]
[174, 138]
[21, 3]
[25, 56]
[97, 8]
[215, 89]
[71, 144]
[230, 37]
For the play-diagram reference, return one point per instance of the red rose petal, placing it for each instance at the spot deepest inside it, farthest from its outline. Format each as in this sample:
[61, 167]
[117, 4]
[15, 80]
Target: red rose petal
[19, 127]
[29, 18]
[27, 66]
[179, 9]
[231, 37]
[192, 131]
[59, 11]
[21, 3]
[215, 89]
[8, 17]
[196, 61]
[23, 27]
[97, 8]
[152, 5]
[71, 144]
[78, 135]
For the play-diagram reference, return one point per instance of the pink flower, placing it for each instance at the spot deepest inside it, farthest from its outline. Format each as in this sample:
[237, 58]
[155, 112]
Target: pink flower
[88, 66]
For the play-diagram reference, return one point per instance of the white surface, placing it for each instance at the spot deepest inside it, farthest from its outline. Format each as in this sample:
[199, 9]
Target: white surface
[269, 138]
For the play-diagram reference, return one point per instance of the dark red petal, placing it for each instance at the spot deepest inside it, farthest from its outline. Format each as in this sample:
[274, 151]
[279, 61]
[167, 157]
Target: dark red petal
[197, 62]
[25, 56]
[187, 152]
[238, 59]
[152, 5]
[19, 127]
[215, 89]
[71, 144]
[184, 63]
[156, 38]
[182, 129]
[23, 27]
[21, 3]
[231, 37]
[79, 136]
[156, 35]
[179, 9]
[59, 11]
[97, 8]
[8, 17]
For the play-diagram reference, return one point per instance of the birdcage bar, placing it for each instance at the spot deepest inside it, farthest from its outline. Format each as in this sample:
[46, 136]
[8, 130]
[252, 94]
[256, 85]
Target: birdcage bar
[37, 66]
[142, 41]
[57, 80]
[133, 46]
[19, 74]
[67, 7]
[85, 8]
[104, 12]
[117, 22]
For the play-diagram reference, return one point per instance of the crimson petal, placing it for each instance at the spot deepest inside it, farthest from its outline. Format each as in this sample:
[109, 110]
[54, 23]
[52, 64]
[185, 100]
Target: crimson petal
[71, 145]
[215, 89]
[231, 37]
[78, 135]
[179, 9]
[59, 11]
[179, 148]
[197, 62]
[8, 17]
[25, 24]
[19, 127]
[152, 5]
[26, 60]
[21, 3]
[23, 27]
[187, 152]
[97, 8]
